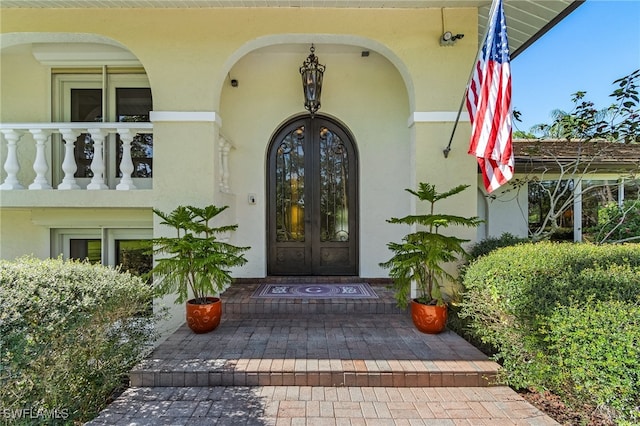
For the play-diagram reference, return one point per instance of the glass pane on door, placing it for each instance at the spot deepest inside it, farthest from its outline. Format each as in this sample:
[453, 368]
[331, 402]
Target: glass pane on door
[289, 191]
[86, 106]
[334, 181]
[133, 105]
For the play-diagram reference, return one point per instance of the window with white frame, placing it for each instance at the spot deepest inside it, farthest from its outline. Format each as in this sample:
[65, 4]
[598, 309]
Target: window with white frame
[127, 248]
[104, 95]
[585, 202]
[545, 198]
[595, 195]
[610, 211]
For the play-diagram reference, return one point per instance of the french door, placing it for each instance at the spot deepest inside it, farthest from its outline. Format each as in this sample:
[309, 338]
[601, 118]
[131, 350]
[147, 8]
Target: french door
[116, 98]
[313, 199]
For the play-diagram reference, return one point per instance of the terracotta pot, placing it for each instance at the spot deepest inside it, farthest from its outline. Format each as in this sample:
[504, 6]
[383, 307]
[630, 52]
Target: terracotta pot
[204, 318]
[428, 318]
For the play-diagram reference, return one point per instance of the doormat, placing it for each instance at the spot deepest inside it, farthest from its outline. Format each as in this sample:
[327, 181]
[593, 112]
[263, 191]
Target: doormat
[315, 291]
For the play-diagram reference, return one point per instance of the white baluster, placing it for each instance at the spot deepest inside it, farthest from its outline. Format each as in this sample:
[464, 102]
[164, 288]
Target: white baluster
[126, 164]
[40, 165]
[69, 166]
[97, 164]
[11, 165]
[225, 147]
[220, 171]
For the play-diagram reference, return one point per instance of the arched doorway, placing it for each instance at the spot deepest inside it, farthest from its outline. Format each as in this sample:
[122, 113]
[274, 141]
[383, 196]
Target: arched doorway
[312, 185]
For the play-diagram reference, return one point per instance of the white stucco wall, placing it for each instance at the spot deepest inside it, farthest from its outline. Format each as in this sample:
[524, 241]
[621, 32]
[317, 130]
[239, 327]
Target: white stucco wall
[22, 81]
[507, 211]
[252, 111]
[19, 236]
[189, 56]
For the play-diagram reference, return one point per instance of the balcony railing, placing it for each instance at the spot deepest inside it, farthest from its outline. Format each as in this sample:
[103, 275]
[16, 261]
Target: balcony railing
[41, 134]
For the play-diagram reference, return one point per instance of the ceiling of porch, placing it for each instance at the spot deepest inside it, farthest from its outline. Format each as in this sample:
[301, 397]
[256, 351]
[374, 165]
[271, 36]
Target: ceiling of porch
[527, 19]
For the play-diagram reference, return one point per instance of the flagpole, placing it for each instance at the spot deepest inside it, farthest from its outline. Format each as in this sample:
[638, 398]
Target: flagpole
[492, 11]
[447, 150]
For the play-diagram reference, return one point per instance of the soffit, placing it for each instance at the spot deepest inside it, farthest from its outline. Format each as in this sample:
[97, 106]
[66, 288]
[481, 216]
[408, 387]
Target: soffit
[527, 19]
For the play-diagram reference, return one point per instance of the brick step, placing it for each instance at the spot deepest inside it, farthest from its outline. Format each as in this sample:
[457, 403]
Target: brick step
[329, 350]
[322, 372]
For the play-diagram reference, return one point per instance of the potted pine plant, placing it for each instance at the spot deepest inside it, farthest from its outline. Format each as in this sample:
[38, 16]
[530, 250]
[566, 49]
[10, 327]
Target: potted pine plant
[195, 263]
[421, 257]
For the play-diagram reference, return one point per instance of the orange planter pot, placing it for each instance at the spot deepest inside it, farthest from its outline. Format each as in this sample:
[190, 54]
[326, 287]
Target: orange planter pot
[204, 318]
[428, 318]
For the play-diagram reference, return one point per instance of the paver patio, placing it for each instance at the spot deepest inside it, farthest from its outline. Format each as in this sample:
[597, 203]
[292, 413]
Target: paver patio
[273, 363]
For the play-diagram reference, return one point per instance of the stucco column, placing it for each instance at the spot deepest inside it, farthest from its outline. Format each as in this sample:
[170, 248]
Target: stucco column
[184, 162]
[430, 137]
[184, 173]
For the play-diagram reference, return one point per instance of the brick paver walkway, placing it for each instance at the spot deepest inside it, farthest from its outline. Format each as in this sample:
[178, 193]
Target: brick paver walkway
[318, 406]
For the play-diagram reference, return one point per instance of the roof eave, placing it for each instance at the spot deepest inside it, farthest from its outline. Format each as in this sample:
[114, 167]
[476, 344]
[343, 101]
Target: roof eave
[566, 12]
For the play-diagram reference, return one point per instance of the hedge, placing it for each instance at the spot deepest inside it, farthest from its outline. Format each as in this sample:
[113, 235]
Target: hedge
[69, 333]
[595, 350]
[546, 308]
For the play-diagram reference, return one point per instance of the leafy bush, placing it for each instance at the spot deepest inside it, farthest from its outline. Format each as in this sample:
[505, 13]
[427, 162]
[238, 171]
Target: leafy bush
[69, 333]
[486, 246]
[513, 298]
[595, 349]
[479, 249]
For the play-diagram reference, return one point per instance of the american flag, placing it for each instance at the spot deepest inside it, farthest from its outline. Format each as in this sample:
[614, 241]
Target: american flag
[489, 105]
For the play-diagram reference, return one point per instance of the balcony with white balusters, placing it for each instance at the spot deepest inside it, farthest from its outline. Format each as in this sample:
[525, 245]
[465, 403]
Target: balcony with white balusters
[27, 171]
[33, 175]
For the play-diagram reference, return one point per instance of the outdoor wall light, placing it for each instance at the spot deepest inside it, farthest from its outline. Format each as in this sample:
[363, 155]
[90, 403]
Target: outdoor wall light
[312, 72]
[449, 39]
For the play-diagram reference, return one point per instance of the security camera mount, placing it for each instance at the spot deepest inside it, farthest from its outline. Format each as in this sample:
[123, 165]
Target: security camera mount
[449, 39]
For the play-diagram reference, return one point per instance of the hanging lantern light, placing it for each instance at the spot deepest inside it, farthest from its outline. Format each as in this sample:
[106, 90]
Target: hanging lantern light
[312, 72]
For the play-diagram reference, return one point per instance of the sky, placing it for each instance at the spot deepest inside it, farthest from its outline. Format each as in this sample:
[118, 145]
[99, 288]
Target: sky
[595, 45]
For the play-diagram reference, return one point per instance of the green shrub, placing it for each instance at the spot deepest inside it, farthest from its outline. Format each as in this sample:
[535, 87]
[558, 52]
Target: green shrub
[512, 295]
[486, 246]
[69, 333]
[594, 348]
[479, 249]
